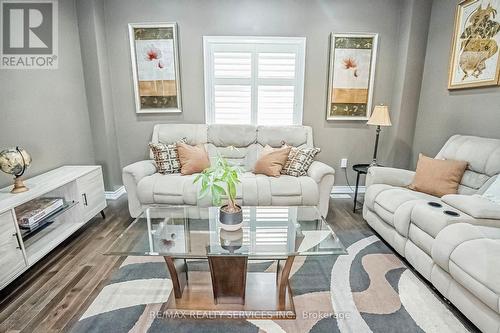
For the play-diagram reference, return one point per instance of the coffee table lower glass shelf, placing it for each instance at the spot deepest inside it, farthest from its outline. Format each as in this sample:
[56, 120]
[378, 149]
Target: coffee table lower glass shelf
[183, 234]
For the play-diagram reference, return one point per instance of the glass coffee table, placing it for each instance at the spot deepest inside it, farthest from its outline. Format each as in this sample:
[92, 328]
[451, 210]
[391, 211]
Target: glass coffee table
[185, 234]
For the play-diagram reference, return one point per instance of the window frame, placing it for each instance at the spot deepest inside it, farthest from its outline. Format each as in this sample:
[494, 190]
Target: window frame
[297, 45]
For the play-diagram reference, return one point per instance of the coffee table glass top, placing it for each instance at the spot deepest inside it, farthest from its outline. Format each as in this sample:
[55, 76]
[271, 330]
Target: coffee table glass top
[193, 232]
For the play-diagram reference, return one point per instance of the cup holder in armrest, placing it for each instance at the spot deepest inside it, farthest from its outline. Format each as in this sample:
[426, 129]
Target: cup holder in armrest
[451, 213]
[434, 204]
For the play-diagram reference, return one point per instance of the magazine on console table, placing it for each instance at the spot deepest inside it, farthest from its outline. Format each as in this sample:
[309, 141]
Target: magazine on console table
[34, 211]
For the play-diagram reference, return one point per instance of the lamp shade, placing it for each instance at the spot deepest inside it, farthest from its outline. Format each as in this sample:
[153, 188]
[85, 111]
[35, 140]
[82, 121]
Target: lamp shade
[380, 116]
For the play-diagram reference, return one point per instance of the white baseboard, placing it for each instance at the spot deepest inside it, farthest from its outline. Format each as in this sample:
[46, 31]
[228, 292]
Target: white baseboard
[114, 195]
[347, 190]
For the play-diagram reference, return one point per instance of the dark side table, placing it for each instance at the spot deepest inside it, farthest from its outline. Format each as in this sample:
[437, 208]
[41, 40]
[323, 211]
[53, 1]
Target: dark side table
[360, 169]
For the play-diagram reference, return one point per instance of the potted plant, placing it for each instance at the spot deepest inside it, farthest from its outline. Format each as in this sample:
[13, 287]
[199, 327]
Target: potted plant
[220, 182]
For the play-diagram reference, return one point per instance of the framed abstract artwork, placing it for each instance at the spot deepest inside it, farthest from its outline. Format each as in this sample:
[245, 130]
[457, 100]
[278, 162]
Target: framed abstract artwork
[155, 67]
[351, 76]
[475, 59]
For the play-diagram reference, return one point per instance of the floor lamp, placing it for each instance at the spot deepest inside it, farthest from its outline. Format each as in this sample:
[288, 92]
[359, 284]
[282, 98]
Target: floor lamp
[380, 117]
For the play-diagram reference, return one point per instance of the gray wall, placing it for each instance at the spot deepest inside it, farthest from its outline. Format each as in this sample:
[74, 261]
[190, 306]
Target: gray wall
[45, 111]
[398, 141]
[98, 89]
[312, 19]
[443, 113]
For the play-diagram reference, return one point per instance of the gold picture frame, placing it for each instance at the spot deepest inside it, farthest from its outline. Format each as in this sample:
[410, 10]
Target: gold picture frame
[351, 77]
[155, 67]
[474, 56]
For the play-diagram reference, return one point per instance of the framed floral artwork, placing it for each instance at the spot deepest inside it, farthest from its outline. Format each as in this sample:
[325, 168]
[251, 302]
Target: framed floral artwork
[475, 60]
[351, 76]
[155, 67]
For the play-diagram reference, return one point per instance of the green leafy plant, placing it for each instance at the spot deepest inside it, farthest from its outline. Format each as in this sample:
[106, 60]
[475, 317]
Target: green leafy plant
[220, 181]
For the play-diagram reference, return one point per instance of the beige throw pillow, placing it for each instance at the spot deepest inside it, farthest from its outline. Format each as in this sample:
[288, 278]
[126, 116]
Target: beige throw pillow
[272, 160]
[438, 177]
[194, 159]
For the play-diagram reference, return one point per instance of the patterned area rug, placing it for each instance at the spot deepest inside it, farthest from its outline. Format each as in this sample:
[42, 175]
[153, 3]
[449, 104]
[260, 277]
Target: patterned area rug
[368, 290]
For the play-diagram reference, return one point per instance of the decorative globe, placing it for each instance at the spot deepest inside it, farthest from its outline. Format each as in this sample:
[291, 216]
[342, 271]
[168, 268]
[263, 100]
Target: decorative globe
[14, 161]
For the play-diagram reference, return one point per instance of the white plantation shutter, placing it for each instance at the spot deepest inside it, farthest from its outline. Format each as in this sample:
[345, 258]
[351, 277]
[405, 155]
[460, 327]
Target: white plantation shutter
[232, 64]
[254, 80]
[277, 65]
[276, 105]
[233, 104]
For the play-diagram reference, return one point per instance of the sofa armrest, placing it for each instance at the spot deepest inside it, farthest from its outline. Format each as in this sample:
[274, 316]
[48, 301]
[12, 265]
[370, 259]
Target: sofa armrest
[389, 176]
[139, 170]
[455, 234]
[474, 205]
[318, 170]
[324, 176]
[131, 175]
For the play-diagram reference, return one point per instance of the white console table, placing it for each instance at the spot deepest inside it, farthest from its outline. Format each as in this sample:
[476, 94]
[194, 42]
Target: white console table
[81, 187]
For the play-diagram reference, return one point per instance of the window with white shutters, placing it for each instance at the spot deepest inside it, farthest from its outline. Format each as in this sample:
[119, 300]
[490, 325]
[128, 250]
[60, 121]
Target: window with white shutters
[254, 80]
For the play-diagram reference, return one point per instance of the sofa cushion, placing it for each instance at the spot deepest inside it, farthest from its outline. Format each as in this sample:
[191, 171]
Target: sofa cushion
[472, 181]
[246, 190]
[384, 214]
[174, 189]
[232, 135]
[392, 198]
[390, 203]
[254, 190]
[285, 186]
[475, 265]
[170, 133]
[398, 216]
[275, 135]
[287, 190]
[483, 156]
[420, 238]
[372, 192]
[261, 190]
[305, 188]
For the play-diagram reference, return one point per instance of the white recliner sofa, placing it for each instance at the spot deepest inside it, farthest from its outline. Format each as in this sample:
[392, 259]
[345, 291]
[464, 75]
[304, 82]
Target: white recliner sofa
[459, 255]
[146, 187]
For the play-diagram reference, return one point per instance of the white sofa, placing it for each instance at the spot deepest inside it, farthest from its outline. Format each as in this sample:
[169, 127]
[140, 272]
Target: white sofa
[459, 255]
[146, 187]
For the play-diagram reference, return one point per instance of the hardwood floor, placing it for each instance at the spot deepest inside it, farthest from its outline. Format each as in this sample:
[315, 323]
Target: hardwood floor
[55, 292]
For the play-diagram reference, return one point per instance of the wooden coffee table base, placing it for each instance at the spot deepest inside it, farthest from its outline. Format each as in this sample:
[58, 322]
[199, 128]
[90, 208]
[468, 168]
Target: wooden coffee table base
[240, 294]
[178, 274]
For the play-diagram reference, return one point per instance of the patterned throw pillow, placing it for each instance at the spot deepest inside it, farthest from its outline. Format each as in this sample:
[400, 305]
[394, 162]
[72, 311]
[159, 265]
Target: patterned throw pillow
[299, 160]
[166, 157]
